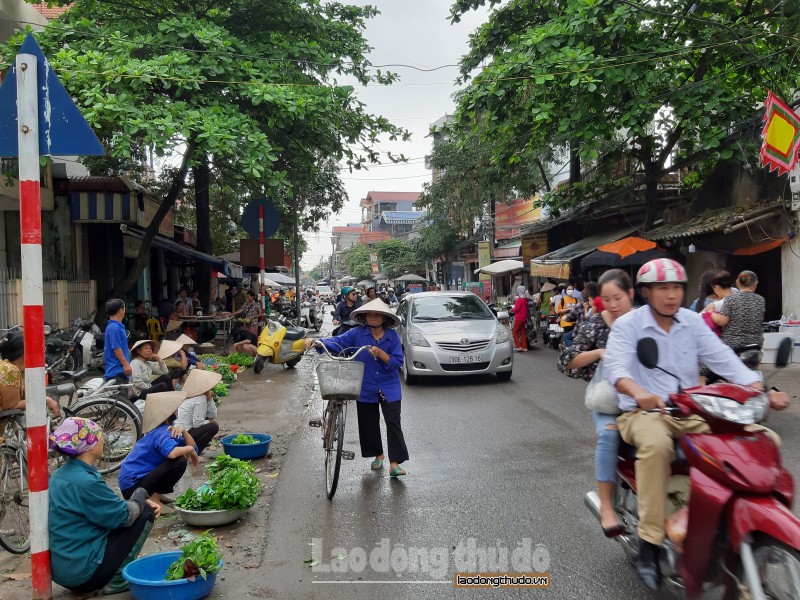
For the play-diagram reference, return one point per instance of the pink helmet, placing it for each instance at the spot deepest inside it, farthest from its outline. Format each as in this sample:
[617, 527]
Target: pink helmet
[661, 270]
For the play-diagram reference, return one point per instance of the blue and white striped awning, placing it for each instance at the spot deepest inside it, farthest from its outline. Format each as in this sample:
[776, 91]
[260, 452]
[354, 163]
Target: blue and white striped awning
[110, 207]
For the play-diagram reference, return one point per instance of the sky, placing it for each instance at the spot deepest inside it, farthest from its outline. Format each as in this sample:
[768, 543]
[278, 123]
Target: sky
[410, 32]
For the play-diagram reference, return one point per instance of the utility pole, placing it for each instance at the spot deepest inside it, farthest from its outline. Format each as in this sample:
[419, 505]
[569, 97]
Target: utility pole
[296, 250]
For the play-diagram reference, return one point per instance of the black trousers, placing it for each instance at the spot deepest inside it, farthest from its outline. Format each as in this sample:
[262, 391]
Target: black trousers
[161, 384]
[203, 434]
[160, 480]
[119, 544]
[369, 430]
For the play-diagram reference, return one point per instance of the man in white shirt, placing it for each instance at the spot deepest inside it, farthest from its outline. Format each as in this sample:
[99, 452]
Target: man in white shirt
[682, 338]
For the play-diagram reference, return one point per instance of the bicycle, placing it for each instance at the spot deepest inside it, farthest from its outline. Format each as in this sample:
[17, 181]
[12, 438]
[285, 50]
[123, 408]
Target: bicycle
[108, 406]
[339, 381]
[14, 506]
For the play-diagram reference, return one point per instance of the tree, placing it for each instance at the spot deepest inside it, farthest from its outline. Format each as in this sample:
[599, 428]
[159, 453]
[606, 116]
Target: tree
[649, 80]
[397, 257]
[251, 83]
[357, 262]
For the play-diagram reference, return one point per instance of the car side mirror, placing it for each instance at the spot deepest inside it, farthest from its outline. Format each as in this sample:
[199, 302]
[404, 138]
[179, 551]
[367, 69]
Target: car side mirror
[502, 315]
[784, 352]
[647, 352]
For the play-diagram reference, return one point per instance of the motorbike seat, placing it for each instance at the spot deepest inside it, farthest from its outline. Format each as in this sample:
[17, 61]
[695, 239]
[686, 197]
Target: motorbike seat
[74, 375]
[294, 333]
[628, 452]
[62, 389]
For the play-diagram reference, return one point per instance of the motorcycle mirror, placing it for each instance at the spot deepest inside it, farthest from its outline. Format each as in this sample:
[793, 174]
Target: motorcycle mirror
[647, 352]
[784, 352]
[47, 330]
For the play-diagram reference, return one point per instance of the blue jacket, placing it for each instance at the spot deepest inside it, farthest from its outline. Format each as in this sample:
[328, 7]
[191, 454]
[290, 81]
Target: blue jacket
[83, 510]
[377, 374]
[115, 337]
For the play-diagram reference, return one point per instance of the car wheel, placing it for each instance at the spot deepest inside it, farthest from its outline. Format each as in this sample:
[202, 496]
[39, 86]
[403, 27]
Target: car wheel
[504, 376]
[408, 378]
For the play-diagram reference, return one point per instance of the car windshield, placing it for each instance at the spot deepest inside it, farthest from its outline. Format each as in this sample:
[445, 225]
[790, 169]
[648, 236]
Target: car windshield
[323, 289]
[449, 308]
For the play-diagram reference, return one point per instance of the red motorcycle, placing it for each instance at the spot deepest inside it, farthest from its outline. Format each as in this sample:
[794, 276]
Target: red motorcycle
[730, 497]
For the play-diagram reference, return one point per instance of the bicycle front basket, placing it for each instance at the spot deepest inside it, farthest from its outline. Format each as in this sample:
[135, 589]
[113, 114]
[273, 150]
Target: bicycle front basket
[340, 379]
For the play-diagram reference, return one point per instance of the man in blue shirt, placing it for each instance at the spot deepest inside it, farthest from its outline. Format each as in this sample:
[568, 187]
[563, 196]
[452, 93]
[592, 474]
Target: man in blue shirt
[683, 339]
[116, 356]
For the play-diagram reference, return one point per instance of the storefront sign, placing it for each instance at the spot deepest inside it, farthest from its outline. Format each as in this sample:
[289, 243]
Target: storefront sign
[484, 259]
[534, 245]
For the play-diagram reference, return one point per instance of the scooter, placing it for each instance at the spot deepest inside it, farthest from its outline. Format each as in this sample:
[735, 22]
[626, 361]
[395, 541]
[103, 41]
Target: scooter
[554, 331]
[315, 314]
[279, 345]
[730, 497]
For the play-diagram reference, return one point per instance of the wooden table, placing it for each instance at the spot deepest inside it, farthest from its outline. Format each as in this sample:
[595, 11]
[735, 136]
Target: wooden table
[225, 323]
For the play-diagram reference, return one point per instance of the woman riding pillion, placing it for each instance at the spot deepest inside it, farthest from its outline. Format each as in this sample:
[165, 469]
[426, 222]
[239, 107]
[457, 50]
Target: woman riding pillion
[380, 388]
[342, 313]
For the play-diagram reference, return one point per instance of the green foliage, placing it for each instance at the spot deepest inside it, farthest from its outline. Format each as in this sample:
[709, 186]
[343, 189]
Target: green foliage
[397, 257]
[252, 85]
[224, 369]
[201, 556]
[622, 79]
[232, 485]
[244, 439]
[357, 262]
[220, 391]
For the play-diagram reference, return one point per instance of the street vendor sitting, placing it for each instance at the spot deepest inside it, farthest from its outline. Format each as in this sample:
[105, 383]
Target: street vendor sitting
[144, 365]
[159, 458]
[197, 414]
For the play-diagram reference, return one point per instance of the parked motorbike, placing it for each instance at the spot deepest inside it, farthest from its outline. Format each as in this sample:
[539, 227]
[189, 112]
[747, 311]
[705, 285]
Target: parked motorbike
[731, 497]
[554, 331]
[279, 343]
[60, 352]
[88, 353]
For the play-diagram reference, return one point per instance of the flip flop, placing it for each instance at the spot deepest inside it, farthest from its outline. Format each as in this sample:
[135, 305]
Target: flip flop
[376, 465]
[397, 472]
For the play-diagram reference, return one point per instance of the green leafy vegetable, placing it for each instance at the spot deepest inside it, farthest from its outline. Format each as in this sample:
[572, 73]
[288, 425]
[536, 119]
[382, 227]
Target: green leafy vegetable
[244, 439]
[201, 556]
[240, 358]
[227, 375]
[232, 486]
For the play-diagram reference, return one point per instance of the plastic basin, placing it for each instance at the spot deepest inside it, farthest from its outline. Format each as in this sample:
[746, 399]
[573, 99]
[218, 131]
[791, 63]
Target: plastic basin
[210, 518]
[146, 578]
[247, 451]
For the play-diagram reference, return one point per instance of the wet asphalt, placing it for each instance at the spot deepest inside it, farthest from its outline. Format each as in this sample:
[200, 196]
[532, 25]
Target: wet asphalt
[496, 470]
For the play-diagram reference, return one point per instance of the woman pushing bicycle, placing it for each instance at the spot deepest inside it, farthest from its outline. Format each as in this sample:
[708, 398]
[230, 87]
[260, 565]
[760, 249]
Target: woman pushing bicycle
[380, 388]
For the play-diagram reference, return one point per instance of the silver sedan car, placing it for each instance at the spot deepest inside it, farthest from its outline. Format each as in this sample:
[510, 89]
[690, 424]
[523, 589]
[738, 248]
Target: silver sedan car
[452, 333]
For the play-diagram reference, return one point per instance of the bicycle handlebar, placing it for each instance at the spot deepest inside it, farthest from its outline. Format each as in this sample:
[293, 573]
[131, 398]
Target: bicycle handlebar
[342, 358]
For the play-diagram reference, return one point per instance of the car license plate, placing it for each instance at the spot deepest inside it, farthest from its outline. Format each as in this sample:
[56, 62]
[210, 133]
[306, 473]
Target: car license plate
[467, 358]
[556, 328]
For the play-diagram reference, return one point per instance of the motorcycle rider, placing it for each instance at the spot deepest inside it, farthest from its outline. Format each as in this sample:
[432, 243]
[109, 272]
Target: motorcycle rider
[345, 307]
[683, 339]
[390, 297]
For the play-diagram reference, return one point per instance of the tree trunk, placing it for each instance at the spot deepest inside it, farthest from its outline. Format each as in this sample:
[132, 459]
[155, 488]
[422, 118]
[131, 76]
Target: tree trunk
[143, 258]
[651, 170]
[543, 173]
[574, 165]
[202, 194]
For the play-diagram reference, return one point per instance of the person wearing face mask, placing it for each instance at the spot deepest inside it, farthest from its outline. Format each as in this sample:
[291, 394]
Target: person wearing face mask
[565, 304]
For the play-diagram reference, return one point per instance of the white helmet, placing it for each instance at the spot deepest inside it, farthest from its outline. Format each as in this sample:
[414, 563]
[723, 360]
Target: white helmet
[661, 270]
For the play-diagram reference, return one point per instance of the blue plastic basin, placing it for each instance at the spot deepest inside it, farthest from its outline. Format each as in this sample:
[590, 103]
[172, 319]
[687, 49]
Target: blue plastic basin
[146, 578]
[247, 451]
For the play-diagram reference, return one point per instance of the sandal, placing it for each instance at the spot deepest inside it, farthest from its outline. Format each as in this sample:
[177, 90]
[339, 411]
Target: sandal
[376, 465]
[397, 472]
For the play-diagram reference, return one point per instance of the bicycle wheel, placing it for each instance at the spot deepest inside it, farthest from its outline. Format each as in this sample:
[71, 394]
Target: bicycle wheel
[14, 520]
[121, 428]
[333, 447]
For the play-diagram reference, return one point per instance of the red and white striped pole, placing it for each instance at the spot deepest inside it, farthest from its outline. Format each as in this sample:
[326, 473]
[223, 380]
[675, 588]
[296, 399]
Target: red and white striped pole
[33, 320]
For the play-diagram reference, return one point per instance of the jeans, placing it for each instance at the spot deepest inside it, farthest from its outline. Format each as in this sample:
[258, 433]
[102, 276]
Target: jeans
[568, 338]
[605, 453]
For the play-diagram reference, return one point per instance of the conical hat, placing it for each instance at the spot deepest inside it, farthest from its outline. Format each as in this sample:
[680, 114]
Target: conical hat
[153, 345]
[186, 340]
[168, 348]
[375, 306]
[158, 407]
[200, 381]
[172, 325]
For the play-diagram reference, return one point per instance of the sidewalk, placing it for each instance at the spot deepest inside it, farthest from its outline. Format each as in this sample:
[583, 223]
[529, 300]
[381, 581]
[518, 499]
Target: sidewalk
[274, 402]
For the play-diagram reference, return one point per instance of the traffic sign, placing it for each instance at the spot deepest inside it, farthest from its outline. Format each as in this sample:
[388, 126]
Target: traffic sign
[62, 129]
[250, 218]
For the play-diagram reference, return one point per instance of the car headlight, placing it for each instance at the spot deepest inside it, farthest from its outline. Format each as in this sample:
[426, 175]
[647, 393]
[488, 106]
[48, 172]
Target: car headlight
[502, 336]
[417, 339]
[752, 411]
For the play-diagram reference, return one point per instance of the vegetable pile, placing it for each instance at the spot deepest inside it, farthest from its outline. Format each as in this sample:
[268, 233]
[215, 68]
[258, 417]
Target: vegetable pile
[244, 439]
[232, 486]
[201, 556]
[240, 358]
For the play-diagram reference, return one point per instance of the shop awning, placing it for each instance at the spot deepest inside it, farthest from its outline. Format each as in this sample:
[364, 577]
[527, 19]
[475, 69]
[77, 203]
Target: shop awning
[229, 269]
[281, 278]
[556, 264]
[760, 248]
[725, 219]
